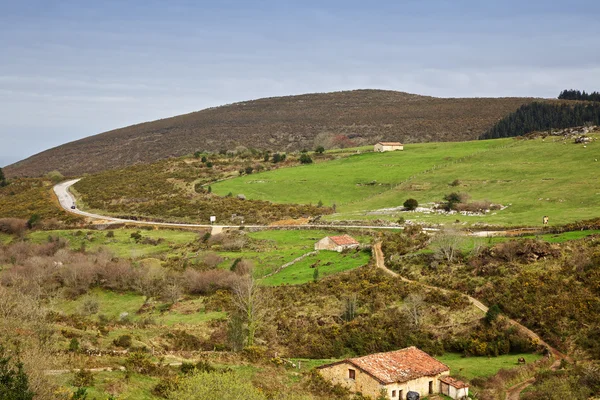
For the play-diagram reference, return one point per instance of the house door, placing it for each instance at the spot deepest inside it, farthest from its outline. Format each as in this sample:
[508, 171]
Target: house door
[430, 387]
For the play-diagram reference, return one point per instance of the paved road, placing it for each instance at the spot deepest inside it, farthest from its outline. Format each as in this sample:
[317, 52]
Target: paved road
[67, 200]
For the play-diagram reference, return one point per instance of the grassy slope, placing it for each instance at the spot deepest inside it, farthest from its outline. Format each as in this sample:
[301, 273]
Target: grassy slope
[533, 177]
[280, 247]
[122, 245]
[472, 367]
[346, 181]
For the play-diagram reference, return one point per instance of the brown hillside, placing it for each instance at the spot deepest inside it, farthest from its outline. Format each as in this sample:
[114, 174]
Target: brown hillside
[278, 123]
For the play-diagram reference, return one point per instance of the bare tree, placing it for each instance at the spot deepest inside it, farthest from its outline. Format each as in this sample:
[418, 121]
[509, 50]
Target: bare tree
[447, 244]
[415, 306]
[250, 302]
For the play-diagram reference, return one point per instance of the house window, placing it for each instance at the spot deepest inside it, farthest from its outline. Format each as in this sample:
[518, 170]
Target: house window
[351, 374]
[393, 393]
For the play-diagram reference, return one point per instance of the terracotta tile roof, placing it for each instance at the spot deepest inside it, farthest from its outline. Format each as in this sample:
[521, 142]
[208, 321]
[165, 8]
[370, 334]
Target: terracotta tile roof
[454, 382]
[397, 366]
[343, 240]
[391, 143]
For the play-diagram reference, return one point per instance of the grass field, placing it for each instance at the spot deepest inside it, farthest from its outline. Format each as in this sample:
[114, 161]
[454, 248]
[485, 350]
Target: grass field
[278, 247]
[329, 263]
[532, 178]
[473, 367]
[122, 244]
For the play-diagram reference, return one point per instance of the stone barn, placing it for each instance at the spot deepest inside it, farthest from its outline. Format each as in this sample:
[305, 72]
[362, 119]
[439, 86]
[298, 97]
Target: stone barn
[337, 243]
[395, 372]
[387, 146]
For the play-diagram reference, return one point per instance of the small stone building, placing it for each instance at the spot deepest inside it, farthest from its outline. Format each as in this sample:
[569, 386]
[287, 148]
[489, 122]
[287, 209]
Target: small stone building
[388, 146]
[454, 388]
[337, 243]
[395, 372]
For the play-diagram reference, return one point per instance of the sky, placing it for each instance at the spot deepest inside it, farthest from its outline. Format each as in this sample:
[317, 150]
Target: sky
[74, 68]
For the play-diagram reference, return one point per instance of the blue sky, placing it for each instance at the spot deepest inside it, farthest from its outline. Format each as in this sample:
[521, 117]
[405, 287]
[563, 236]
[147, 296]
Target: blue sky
[71, 69]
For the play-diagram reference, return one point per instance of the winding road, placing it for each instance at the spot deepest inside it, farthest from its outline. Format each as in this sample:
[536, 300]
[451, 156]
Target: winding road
[66, 200]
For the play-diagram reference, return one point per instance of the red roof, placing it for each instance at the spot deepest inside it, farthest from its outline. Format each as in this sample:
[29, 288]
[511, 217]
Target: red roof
[454, 382]
[391, 143]
[397, 366]
[343, 240]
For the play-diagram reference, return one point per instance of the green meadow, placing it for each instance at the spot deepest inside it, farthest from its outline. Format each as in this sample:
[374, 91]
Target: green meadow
[531, 178]
[119, 241]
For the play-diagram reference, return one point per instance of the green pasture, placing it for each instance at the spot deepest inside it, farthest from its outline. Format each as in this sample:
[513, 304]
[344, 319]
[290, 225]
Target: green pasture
[112, 304]
[5, 238]
[133, 387]
[327, 262]
[352, 179]
[531, 178]
[274, 248]
[122, 244]
[482, 367]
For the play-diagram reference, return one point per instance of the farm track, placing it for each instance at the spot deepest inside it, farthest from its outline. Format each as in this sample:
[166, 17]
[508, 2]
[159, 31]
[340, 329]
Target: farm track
[513, 392]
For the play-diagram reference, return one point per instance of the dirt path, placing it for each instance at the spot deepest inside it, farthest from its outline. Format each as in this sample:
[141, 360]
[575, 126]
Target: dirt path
[513, 392]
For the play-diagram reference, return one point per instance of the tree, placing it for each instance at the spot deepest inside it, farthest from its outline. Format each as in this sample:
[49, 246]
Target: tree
[316, 274]
[411, 204]
[209, 164]
[305, 159]
[250, 303]
[197, 154]
[14, 383]
[33, 221]
[447, 244]
[349, 308]
[249, 170]
[3, 181]
[414, 304]
[55, 176]
[320, 150]
[204, 159]
[216, 386]
[492, 313]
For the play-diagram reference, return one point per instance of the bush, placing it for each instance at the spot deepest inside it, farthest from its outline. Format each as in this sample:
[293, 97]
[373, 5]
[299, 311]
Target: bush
[14, 383]
[411, 204]
[83, 378]
[123, 341]
[305, 159]
[320, 150]
[214, 386]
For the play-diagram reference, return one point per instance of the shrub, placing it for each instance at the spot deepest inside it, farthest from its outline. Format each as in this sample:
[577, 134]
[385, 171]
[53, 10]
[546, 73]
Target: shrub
[305, 159]
[83, 378]
[212, 386]
[14, 383]
[411, 204]
[248, 170]
[320, 150]
[123, 341]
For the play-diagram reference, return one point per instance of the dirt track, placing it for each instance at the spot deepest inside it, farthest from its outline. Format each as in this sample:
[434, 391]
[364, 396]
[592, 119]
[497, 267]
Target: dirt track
[514, 392]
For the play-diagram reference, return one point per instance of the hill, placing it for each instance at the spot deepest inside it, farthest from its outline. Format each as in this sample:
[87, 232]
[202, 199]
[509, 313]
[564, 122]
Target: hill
[528, 178]
[525, 178]
[278, 124]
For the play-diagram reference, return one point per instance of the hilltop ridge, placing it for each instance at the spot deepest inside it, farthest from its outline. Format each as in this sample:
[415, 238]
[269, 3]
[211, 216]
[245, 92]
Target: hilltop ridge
[287, 123]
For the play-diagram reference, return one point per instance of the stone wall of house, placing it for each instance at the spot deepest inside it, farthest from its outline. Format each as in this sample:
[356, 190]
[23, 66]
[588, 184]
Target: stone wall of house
[369, 386]
[419, 385]
[363, 383]
[325, 244]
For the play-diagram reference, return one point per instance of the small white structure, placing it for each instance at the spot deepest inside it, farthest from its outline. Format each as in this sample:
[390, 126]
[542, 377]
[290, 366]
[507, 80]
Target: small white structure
[337, 243]
[454, 388]
[387, 146]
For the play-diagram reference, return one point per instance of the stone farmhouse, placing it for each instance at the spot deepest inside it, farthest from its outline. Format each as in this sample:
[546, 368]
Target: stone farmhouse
[396, 373]
[387, 146]
[337, 243]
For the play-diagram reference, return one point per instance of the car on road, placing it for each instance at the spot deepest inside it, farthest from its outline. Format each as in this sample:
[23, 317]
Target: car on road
[73, 207]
